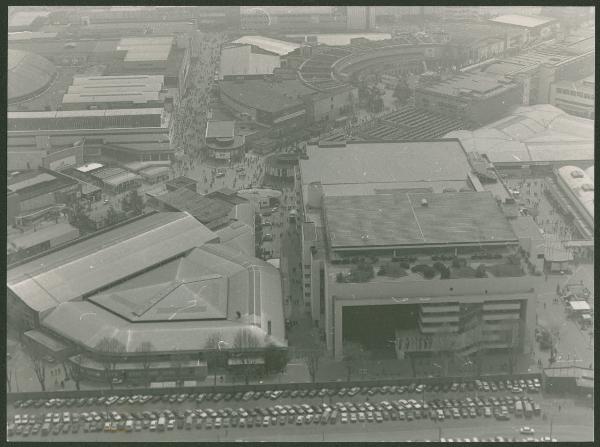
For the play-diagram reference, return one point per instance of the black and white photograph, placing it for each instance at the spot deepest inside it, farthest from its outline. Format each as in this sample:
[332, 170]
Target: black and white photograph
[300, 223]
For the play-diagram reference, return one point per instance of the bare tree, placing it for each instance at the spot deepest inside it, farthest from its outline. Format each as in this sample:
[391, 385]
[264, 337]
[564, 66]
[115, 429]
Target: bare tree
[246, 343]
[110, 347]
[145, 349]
[40, 370]
[444, 345]
[354, 357]
[74, 370]
[9, 373]
[177, 364]
[313, 354]
[213, 347]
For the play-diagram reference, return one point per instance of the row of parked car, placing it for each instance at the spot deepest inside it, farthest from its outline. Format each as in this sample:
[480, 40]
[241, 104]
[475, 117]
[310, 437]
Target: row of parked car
[516, 386]
[298, 414]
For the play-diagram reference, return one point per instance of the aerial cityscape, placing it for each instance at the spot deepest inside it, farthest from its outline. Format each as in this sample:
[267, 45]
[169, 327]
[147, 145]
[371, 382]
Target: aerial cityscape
[300, 223]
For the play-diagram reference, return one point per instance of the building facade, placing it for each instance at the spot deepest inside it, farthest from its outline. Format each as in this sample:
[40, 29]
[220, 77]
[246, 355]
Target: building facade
[576, 98]
[222, 143]
[473, 98]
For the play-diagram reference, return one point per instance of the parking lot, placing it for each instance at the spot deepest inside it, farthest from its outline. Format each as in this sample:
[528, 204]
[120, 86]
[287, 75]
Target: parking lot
[211, 415]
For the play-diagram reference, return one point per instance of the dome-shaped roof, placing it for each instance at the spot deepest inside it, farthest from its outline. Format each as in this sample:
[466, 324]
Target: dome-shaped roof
[28, 74]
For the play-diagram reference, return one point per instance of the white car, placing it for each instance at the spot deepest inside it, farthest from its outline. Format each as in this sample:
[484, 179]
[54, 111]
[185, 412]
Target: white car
[344, 418]
[527, 430]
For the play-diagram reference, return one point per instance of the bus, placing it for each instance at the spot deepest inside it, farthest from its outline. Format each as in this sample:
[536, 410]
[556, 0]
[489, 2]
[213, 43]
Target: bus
[528, 410]
[518, 408]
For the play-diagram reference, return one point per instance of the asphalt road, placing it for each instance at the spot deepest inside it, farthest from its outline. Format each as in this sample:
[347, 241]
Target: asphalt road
[580, 430]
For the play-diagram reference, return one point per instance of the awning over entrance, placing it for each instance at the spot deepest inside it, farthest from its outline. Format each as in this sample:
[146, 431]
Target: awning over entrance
[46, 341]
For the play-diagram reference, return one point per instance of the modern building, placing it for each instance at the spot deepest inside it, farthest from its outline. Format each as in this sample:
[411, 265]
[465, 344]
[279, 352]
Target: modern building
[222, 142]
[286, 103]
[28, 75]
[293, 18]
[471, 97]
[22, 243]
[576, 98]
[212, 213]
[276, 46]
[60, 137]
[182, 182]
[163, 289]
[359, 18]
[282, 166]
[533, 136]
[272, 103]
[261, 197]
[156, 174]
[37, 193]
[29, 20]
[381, 203]
[538, 27]
[247, 61]
[115, 92]
[579, 188]
[167, 56]
[409, 124]
[539, 67]
[207, 16]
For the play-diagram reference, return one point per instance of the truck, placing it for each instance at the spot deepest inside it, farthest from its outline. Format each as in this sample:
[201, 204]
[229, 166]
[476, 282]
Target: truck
[161, 423]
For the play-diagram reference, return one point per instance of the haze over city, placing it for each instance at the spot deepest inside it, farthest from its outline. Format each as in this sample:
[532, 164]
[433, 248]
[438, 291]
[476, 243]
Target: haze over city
[300, 223]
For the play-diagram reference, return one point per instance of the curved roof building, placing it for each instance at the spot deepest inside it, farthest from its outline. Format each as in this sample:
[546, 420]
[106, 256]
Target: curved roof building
[28, 75]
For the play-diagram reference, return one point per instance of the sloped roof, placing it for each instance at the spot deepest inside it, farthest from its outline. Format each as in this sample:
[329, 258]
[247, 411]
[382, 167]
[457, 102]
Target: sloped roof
[249, 299]
[207, 210]
[96, 262]
[520, 20]
[276, 46]
[532, 133]
[27, 73]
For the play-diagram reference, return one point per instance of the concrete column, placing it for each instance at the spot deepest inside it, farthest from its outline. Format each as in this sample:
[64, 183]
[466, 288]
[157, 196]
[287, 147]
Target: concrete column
[337, 317]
